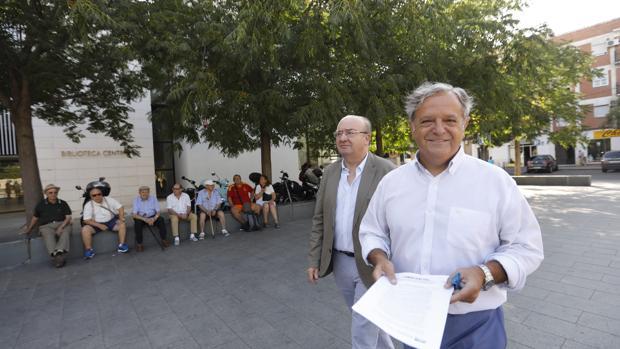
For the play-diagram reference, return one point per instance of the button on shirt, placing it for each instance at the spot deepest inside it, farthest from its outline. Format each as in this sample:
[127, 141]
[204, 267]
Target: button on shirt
[145, 208]
[208, 201]
[180, 204]
[469, 214]
[345, 207]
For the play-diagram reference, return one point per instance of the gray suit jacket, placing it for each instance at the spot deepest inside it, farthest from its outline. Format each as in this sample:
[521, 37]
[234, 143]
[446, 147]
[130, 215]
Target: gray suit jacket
[323, 222]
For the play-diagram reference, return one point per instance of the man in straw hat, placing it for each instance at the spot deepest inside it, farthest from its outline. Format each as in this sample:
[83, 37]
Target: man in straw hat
[54, 218]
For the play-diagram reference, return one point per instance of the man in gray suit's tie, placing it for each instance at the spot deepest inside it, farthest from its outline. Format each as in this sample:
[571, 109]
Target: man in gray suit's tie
[346, 188]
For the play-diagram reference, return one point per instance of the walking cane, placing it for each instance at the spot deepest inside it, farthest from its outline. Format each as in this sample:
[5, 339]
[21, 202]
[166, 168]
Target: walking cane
[156, 238]
[211, 222]
[27, 239]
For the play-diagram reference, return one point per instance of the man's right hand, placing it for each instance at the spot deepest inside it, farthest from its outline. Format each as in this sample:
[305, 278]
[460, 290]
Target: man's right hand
[382, 264]
[313, 275]
[101, 226]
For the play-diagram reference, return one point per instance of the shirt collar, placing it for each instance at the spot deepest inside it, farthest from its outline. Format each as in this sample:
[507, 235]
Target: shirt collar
[359, 167]
[453, 166]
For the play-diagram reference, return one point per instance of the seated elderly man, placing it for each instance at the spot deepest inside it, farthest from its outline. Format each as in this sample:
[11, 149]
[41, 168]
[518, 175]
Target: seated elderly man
[146, 212]
[54, 218]
[102, 213]
[209, 202]
[240, 200]
[179, 207]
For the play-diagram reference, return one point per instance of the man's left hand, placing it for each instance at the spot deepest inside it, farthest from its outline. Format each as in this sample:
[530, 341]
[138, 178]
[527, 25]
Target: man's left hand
[59, 230]
[150, 221]
[472, 279]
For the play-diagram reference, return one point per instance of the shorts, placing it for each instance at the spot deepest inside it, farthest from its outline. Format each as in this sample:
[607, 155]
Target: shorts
[110, 224]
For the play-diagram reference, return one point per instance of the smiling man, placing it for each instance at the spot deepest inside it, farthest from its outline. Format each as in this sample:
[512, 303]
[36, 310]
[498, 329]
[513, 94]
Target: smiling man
[447, 212]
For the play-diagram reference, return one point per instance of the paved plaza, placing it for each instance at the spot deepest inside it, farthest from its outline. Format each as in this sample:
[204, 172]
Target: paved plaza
[249, 290]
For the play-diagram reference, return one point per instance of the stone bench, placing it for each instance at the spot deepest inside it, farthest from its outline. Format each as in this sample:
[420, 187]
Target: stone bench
[13, 253]
[577, 180]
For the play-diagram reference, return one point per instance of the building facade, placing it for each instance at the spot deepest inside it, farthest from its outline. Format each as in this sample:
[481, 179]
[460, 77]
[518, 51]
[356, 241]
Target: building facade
[602, 41]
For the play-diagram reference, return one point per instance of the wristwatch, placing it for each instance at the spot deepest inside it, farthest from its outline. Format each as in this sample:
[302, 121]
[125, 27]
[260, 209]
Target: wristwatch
[488, 277]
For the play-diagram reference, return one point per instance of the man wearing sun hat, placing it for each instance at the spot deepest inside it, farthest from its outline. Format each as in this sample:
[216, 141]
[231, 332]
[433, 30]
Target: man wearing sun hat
[54, 218]
[209, 202]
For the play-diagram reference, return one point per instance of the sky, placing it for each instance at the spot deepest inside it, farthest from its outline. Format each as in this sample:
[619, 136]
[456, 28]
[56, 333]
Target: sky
[568, 15]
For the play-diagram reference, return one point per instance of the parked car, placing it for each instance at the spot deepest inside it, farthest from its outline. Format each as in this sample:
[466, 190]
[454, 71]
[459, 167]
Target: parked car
[545, 163]
[610, 161]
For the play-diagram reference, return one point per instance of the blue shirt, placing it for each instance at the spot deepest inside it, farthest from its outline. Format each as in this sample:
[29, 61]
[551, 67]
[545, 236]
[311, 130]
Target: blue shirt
[209, 203]
[145, 208]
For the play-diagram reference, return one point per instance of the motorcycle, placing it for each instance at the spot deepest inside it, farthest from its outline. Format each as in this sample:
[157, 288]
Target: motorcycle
[288, 190]
[222, 184]
[192, 192]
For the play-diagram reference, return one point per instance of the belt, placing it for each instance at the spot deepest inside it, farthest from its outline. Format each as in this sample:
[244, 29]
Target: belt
[346, 253]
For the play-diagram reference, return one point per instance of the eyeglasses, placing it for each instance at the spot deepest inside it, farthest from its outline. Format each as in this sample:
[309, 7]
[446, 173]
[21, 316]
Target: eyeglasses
[347, 133]
[95, 195]
[176, 188]
[52, 192]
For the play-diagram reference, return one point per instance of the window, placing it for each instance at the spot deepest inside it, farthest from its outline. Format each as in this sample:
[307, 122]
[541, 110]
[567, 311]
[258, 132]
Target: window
[603, 80]
[601, 111]
[599, 49]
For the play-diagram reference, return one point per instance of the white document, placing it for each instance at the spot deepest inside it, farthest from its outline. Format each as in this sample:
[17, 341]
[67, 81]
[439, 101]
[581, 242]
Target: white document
[413, 311]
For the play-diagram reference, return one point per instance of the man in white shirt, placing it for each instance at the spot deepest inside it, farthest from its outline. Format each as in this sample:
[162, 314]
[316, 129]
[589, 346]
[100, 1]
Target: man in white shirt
[346, 188]
[447, 212]
[102, 213]
[179, 207]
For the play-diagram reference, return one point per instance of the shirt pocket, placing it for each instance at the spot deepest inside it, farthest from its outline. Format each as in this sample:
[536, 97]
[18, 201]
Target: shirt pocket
[469, 229]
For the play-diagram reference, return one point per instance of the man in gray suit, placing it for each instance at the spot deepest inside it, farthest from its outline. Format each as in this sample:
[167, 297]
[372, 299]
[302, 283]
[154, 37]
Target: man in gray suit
[346, 188]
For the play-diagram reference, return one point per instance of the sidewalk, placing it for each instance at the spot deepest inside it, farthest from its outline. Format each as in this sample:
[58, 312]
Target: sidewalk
[249, 290]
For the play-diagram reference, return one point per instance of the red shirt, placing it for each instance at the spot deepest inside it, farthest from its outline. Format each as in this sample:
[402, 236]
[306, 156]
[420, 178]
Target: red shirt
[242, 193]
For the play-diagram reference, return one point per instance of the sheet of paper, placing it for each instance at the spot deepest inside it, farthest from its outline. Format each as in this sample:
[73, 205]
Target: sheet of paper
[413, 311]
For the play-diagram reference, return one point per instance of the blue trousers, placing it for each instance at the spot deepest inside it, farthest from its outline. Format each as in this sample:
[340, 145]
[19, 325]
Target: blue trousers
[479, 330]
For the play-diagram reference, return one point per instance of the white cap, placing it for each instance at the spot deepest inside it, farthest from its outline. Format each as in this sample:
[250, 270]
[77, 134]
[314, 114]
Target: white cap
[208, 182]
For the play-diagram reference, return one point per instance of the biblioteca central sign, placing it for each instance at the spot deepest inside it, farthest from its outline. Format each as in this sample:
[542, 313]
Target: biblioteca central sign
[90, 153]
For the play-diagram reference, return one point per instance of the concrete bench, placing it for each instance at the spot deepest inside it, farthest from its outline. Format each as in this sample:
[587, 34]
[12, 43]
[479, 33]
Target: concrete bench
[577, 180]
[13, 253]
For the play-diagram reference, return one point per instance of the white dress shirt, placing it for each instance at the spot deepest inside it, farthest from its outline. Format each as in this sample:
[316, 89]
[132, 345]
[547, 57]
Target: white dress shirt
[101, 212]
[469, 214]
[345, 207]
[178, 205]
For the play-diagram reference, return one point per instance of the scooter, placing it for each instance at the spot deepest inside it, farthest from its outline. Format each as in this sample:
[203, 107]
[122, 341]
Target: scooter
[222, 184]
[192, 192]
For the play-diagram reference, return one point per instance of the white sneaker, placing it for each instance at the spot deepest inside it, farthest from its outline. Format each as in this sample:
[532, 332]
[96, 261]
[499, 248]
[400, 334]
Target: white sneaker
[201, 236]
[225, 232]
[176, 241]
[193, 237]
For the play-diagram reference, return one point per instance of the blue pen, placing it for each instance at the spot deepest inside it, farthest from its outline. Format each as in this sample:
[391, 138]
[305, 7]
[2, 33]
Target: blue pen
[456, 281]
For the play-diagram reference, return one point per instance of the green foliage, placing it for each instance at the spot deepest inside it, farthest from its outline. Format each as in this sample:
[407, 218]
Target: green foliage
[69, 62]
[613, 117]
[396, 136]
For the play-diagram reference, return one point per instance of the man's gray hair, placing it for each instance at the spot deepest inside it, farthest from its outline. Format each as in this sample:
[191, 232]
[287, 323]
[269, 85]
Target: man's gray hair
[429, 89]
[364, 119]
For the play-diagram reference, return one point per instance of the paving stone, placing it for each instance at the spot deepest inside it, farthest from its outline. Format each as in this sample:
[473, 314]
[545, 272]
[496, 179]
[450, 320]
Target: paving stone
[572, 331]
[532, 336]
[250, 291]
[602, 323]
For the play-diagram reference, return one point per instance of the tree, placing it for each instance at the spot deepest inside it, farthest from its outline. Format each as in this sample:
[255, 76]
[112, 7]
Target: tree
[67, 63]
[613, 117]
[254, 74]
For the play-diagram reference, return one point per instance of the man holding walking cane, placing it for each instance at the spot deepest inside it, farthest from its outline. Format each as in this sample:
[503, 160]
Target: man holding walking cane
[209, 202]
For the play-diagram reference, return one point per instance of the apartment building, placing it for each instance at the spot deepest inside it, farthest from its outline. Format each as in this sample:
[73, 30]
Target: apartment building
[602, 41]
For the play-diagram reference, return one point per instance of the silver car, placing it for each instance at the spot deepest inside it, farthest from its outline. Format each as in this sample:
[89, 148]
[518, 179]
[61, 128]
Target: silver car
[610, 161]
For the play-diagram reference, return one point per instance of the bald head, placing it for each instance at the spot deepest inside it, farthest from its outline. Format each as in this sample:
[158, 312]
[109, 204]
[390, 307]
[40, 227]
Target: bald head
[353, 138]
[365, 124]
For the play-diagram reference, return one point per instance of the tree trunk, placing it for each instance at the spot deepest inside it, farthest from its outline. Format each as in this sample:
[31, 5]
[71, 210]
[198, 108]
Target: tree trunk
[265, 153]
[21, 115]
[517, 157]
[379, 140]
